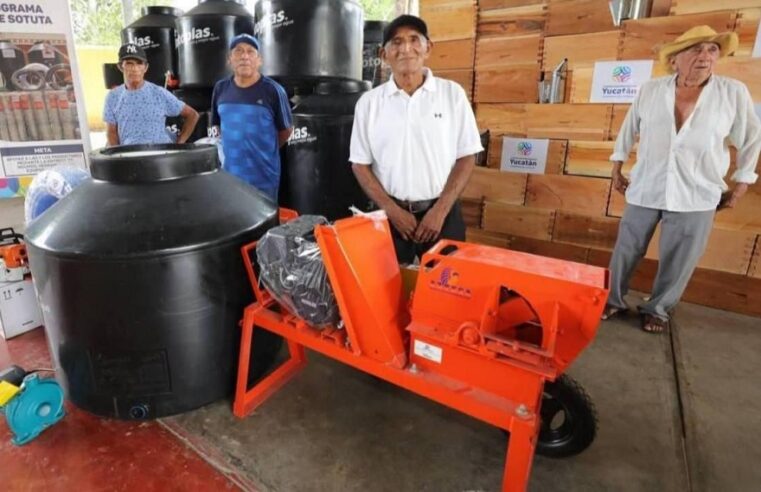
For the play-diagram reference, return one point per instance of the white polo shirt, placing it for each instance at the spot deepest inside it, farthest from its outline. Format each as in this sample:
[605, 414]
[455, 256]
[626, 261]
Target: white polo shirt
[412, 142]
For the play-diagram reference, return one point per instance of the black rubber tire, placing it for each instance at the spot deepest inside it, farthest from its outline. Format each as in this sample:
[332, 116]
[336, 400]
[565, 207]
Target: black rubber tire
[578, 427]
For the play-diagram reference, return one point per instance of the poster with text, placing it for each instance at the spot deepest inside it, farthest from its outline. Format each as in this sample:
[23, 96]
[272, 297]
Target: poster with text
[619, 81]
[524, 155]
[42, 115]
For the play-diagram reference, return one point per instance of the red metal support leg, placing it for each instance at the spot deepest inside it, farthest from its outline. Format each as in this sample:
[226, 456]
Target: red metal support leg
[520, 454]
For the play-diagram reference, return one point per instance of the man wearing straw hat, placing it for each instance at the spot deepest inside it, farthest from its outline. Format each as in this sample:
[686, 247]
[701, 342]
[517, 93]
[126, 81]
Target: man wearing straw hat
[685, 123]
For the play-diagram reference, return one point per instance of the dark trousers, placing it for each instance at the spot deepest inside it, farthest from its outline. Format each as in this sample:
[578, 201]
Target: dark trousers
[453, 228]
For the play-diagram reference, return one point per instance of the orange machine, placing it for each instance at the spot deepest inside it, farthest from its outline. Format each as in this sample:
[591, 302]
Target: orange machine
[483, 331]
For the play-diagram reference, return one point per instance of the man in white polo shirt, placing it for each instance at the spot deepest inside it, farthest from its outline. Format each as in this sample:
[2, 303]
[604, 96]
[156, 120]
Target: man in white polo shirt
[414, 142]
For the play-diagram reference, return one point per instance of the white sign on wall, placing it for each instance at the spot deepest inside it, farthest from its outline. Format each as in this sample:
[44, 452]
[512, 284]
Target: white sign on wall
[524, 155]
[619, 81]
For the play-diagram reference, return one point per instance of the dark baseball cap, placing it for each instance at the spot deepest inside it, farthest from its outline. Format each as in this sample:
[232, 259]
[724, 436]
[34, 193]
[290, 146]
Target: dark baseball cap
[412, 21]
[244, 38]
[130, 50]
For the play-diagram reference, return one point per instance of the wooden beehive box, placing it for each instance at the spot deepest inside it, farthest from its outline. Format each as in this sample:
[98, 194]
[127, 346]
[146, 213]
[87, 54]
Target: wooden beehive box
[452, 55]
[578, 17]
[587, 196]
[585, 230]
[489, 238]
[527, 19]
[581, 122]
[517, 220]
[746, 70]
[505, 51]
[746, 27]
[591, 158]
[643, 37]
[505, 85]
[755, 262]
[505, 4]
[496, 186]
[462, 77]
[582, 49]
[681, 7]
[555, 154]
[448, 20]
[617, 119]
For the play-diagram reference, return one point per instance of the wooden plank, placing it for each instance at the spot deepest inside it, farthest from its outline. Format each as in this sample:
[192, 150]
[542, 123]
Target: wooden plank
[681, 7]
[586, 158]
[514, 84]
[581, 84]
[517, 220]
[574, 121]
[616, 203]
[489, 238]
[582, 49]
[508, 51]
[745, 215]
[660, 8]
[618, 115]
[555, 154]
[727, 250]
[642, 37]
[528, 19]
[496, 186]
[585, 230]
[503, 4]
[472, 209]
[547, 248]
[452, 20]
[721, 290]
[452, 55]
[569, 193]
[746, 28]
[755, 262]
[462, 77]
[746, 70]
[577, 17]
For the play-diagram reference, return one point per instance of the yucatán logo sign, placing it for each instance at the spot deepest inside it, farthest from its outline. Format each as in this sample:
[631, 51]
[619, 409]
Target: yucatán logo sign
[522, 155]
[619, 81]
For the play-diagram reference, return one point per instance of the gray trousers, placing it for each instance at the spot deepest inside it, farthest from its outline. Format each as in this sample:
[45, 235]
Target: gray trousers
[683, 239]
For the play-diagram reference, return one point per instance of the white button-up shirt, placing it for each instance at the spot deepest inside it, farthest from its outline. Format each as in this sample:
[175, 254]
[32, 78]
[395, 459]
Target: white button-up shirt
[684, 171]
[412, 142]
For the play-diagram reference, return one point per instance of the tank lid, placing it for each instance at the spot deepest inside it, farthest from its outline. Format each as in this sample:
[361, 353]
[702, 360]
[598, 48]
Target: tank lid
[143, 163]
[330, 87]
[161, 10]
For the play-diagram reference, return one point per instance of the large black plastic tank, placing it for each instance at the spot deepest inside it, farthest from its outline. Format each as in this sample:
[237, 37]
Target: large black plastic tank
[155, 33]
[203, 39]
[303, 40]
[141, 282]
[373, 69]
[11, 59]
[316, 174]
[112, 76]
[44, 53]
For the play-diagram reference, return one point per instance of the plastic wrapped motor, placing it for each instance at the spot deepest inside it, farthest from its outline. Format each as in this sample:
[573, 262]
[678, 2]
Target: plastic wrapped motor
[291, 269]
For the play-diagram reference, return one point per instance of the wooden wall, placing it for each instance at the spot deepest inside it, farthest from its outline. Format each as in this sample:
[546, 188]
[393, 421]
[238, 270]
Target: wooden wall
[571, 212]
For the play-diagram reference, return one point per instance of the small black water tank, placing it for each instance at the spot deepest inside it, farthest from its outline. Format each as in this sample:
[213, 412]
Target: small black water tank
[155, 33]
[316, 174]
[112, 76]
[303, 40]
[203, 39]
[44, 53]
[141, 281]
[373, 69]
[11, 59]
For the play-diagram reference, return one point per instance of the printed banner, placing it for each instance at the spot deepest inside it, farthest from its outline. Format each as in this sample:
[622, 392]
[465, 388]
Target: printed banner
[619, 81]
[524, 155]
[42, 114]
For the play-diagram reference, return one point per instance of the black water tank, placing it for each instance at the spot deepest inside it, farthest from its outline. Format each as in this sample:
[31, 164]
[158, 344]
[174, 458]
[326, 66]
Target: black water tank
[174, 126]
[316, 173]
[373, 69]
[155, 33]
[11, 59]
[44, 53]
[112, 76]
[141, 281]
[302, 40]
[203, 39]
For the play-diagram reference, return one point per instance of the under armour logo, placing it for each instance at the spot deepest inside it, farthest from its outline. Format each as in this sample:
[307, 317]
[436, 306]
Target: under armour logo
[437, 115]
[131, 48]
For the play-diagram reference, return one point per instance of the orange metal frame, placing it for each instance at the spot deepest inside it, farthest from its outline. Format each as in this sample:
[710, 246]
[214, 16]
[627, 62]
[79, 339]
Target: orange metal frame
[485, 329]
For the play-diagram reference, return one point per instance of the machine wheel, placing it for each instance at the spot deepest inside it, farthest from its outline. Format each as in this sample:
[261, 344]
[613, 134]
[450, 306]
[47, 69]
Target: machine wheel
[568, 419]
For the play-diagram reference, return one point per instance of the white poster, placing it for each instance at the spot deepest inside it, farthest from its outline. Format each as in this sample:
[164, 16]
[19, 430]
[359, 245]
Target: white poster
[524, 155]
[619, 81]
[42, 114]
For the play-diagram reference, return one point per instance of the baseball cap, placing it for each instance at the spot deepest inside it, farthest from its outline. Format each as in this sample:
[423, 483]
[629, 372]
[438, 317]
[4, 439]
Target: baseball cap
[412, 21]
[244, 38]
[130, 50]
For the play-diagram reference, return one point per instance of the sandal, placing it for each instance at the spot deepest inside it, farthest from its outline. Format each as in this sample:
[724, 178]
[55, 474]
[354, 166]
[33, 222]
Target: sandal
[611, 312]
[653, 324]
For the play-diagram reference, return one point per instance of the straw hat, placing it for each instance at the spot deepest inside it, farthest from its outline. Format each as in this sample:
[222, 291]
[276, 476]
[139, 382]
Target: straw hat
[727, 41]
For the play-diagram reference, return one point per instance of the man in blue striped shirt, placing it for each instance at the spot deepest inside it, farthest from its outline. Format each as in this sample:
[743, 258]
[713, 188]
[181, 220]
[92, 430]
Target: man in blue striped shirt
[253, 115]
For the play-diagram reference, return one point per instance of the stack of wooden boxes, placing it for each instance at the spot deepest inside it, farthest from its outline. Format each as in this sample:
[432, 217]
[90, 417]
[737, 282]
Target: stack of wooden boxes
[570, 211]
